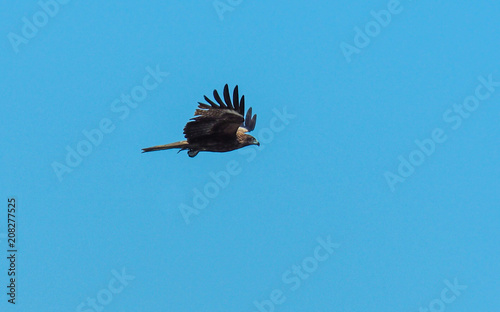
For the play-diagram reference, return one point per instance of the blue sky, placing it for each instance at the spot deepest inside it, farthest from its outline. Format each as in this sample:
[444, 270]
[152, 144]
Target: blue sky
[375, 187]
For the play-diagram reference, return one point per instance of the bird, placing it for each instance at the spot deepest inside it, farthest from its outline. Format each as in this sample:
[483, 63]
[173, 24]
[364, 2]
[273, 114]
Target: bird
[218, 127]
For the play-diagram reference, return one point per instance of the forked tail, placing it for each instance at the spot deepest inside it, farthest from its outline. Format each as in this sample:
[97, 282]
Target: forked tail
[181, 144]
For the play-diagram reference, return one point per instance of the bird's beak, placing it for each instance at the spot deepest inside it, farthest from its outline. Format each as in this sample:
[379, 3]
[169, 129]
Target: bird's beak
[258, 144]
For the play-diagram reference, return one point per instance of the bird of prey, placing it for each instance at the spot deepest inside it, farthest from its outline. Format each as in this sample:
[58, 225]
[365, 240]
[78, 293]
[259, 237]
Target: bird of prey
[216, 127]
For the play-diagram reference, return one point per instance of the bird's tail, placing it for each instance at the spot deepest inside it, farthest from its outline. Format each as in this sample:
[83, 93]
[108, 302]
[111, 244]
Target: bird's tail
[181, 144]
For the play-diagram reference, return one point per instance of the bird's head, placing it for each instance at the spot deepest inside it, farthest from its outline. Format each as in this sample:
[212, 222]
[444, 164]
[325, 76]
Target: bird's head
[255, 142]
[250, 140]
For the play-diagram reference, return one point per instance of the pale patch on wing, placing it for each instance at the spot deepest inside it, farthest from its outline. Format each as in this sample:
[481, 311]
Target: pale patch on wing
[242, 130]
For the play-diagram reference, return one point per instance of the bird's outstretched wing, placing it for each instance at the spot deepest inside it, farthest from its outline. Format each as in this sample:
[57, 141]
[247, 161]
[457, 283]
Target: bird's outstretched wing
[219, 120]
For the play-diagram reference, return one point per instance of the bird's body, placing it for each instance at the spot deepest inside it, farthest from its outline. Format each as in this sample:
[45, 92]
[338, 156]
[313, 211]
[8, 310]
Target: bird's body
[216, 127]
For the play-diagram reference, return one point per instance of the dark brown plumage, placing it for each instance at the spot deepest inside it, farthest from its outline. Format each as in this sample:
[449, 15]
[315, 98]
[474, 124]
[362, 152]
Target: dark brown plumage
[218, 127]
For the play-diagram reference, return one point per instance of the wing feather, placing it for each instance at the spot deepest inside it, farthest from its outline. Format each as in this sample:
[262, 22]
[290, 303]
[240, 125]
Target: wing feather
[249, 120]
[203, 105]
[227, 98]
[211, 102]
[218, 99]
[242, 105]
[221, 120]
[236, 99]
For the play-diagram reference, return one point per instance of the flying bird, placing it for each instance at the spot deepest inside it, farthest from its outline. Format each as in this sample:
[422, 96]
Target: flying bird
[218, 127]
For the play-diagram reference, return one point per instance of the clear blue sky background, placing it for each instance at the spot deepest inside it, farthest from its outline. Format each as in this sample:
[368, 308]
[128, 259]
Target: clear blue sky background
[322, 175]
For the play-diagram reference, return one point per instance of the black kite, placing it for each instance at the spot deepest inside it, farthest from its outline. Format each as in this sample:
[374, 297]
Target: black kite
[216, 128]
